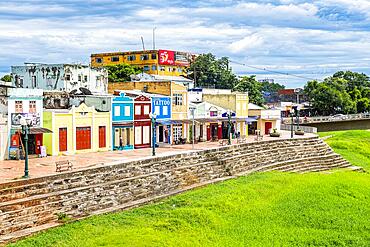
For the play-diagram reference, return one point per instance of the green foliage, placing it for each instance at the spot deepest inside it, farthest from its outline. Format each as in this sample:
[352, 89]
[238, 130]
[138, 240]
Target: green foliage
[271, 87]
[344, 92]
[121, 72]
[6, 78]
[264, 209]
[253, 87]
[212, 72]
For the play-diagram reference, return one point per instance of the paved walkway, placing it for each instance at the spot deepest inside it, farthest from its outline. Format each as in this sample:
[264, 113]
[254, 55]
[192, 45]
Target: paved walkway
[38, 167]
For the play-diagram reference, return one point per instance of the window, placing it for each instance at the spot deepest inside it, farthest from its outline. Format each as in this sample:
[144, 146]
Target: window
[117, 111]
[154, 56]
[68, 77]
[18, 106]
[138, 110]
[79, 77]
[144, 57]
[115, 59]
[177, 131]
[32, 106]
[169, 69]
[165, 110]
[154, 67]
[177, 99]
[85, 78]
[162, 68]
[179, 70]
[146, 68]
[34, 82]
[213, 114]
[98, 60]
[131, 58]
[157, 110]
[173, 69]
[127, 111]
[146, 109]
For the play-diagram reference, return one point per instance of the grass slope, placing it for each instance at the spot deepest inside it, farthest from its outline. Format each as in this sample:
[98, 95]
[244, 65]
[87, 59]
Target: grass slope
[267, 209]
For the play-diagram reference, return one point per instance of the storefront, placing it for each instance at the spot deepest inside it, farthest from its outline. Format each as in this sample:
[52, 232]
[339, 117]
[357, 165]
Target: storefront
[142, 122]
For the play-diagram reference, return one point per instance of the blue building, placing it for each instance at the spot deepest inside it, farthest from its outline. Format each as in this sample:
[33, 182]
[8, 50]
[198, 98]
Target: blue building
[122, 122]
[162, 107]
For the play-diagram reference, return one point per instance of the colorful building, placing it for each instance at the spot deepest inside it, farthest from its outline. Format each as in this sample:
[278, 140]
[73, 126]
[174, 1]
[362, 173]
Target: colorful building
[77, 130]
[160, 106]
[179, 98]
[235, 102]
[122, 122]
[267, 119]
[60, 77]
[142, 122]
[24, 103]
[158, 62]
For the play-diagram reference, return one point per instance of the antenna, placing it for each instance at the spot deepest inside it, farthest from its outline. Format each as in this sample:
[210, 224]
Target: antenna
[142, 41]
[154, 37]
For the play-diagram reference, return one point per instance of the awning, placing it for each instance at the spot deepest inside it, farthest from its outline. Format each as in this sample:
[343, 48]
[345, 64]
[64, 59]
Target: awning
[251, 119]
[39, 130]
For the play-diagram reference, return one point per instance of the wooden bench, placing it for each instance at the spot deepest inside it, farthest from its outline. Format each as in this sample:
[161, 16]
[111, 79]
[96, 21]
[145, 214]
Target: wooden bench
[223, 142]
[63, 165]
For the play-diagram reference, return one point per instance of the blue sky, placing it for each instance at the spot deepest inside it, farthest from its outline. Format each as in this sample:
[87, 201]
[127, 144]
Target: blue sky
[312, 39]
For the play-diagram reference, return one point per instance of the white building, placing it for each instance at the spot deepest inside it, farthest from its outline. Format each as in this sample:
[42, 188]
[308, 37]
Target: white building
[60, 77]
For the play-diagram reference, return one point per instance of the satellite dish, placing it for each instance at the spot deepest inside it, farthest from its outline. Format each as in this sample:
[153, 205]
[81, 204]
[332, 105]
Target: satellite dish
[74, 91]
[85, 91]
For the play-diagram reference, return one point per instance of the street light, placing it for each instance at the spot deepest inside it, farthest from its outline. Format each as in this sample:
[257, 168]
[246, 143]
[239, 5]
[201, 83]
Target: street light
[192, 109]
[228, 127]
[153, 117]
[291, 122]
[25, 123]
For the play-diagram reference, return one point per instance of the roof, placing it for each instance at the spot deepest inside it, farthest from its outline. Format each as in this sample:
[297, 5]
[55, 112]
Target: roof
[172, 78]
[139, 92]
[252, 106]
[6, 84]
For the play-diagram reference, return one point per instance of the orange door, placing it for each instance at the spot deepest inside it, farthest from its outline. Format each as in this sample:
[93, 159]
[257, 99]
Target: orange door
[83, 138]
[102, 142]
[62, 139]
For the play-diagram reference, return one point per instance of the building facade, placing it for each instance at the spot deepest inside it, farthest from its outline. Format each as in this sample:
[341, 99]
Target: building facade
[158, 62]
[267, 119]
[60, 77]
[80, 129]
[142, 122]
[122, 122]
[234, 102]
[179, 97]
[25, 103]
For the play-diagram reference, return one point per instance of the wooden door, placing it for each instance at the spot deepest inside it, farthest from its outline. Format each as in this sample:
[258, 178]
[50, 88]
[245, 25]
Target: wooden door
[268, 127]
[102, 137]
[83, 138]
[62, 139]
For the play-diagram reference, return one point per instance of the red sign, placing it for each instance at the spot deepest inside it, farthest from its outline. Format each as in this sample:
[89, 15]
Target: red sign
[166, 57]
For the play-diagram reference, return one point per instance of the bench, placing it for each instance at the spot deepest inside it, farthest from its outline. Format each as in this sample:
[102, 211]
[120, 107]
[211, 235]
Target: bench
[63, 165]
[223, 142]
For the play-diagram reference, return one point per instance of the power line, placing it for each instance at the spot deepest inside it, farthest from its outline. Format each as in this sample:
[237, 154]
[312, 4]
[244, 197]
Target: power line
[275, 72]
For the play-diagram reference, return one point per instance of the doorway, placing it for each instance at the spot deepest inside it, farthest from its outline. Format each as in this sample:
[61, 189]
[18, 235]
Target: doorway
[268, 127]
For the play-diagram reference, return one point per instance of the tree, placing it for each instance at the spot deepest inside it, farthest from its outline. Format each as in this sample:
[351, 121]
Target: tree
[207, 71]
[253, 87]
[121, 72]
[271, 87]
[6, 78]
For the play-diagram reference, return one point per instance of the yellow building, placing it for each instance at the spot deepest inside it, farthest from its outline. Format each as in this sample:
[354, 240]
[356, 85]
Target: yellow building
[157, 62]
[233, 101]
[267, 119]
[179, 96]
[77, 130]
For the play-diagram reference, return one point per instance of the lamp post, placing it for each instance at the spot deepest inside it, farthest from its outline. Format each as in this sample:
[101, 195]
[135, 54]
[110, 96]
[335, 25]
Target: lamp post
[192, 109]
[291, 122]
[297, 117]
[229, 127]
[153, 117]
[25, 123]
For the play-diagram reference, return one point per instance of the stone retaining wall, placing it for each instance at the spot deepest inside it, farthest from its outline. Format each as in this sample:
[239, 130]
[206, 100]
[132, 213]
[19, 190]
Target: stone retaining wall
[28, 204]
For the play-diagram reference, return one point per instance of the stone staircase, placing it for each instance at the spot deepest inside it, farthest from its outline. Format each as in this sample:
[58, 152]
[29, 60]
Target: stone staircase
[29, 205]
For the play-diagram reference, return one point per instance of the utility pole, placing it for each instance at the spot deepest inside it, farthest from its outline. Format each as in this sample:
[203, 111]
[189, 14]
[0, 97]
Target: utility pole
[142, 42]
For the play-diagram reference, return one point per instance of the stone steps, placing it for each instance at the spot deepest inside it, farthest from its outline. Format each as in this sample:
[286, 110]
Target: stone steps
[35, 202]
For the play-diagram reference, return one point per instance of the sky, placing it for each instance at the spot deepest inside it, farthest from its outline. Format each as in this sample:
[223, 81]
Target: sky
[310, 39]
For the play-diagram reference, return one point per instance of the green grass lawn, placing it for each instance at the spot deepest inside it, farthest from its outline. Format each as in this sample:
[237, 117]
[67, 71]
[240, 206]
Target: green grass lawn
[266, 209]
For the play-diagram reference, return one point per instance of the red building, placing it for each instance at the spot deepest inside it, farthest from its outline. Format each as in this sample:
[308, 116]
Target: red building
[142, 122]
